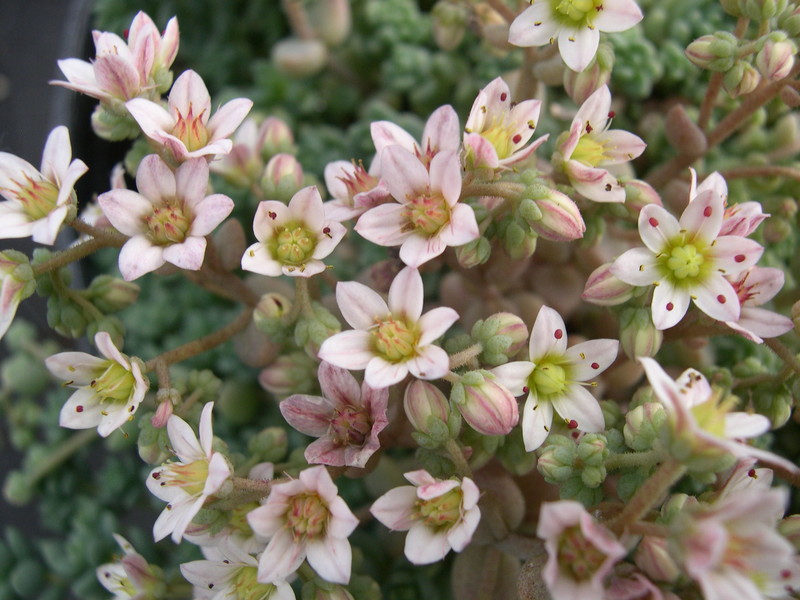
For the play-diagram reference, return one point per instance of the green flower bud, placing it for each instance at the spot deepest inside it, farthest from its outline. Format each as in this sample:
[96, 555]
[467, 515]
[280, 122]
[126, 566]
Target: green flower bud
[741, 79]
[592, 449]
[593, 477]
[299, 58]
[518, 242]
[269, 445]
[283, 177]
[612, 413]
[776, 405]
[474, 253]
[111, 294]
[17, 489]
[714, 52]
[643, 426]
[762, 10]
[503, 335]
[556, 459]
[114, 126]
[638, 335]
[575, 489]
[427, 408]
[449, 24]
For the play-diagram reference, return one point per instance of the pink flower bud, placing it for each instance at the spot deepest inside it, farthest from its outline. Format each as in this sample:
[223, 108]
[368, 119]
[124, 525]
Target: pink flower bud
[423, 400]
[275, 137]
[509, 324]
[639, 194]
[449, 24]
[604, 289]
[653, 558]
[776, 59]
[488, 406]
[283, 177]
[582, 84]
[163, 413]
[741, 79]
[294, 373]
[561, 219]
[714, 52]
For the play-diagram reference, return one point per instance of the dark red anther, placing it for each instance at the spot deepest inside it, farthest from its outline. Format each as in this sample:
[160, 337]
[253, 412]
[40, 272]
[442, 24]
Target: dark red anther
[573, 424]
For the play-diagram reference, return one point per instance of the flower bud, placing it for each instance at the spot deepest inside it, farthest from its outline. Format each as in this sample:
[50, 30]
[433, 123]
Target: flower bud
[332, 20]
[789, 21]
[775, 60]
[715, 52]
[268, 445]
[488, 406]
[683, 134]
[502, 335]
[561, 219]
[604, 289]
[167, 398]
[449, 24]
[639, 194]
[424, 403]
[582, 84]
[638, 335]
[283, 177]
[653, 558]
[741, 79]
[593, 449]
[643, 425]
[152, 442]
[112, 294]
[593, 476]
[557, 458]
[294, 373]
[519, 242]
[113, 126]
[299, 58]
[275, 137]
[762, 10]
[474, 253]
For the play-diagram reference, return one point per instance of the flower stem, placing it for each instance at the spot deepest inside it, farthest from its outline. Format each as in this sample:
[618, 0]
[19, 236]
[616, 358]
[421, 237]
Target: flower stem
[648, 495]
[503, 10]
[70, 255]
[765, 171]
[459, 359]
[786, 355]
[302, 301]
[203, 344]
[634, 459]
[456, 454]
[502, 189]
[60, 454]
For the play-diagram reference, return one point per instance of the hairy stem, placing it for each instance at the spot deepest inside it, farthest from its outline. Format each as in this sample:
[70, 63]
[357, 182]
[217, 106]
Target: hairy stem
[456, 454]
[460, 359]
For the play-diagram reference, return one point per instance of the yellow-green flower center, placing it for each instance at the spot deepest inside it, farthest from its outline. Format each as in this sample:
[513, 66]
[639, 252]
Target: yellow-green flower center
[168, 224]
[589, 151]
[294, 245]
[245, 586]
[191, 130]
[190, 476]
[38, 197]
[685, 261]
[499, 135]
[576, 13]
[710, 415]
[307, 516]
[548, 378]
[578, 558]
[428, 214]
[442, 511]
[395, 340]
[115, 384]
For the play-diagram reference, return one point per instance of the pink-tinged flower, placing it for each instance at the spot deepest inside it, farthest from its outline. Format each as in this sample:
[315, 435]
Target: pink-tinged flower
[442, 133]
[185, 130]
[576, 26]
[293, 239]
[347, 418]
[604, 289]
[354, 190]
[108, 390]
[688, 260]
[580, 551]
[124, 70]
[631, 585]
[389, 341]
[554, 379]
[755, 287]
[731, 548]
[739, 219]
[228, 573]
[702, 426]
[167, 219]
[131, 577]
[186, 484]
[497, 129]
[427, 216]
[37, 202]
[590, 146]
[439, 514]
[17, 283]
[305, 518]
[485, 404]
[561, 219]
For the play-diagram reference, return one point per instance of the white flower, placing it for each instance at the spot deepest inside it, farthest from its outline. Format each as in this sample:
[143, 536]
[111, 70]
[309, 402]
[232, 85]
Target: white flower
[130, 577]
[109, 389]
[187, 483]
[576, 24]
[389, 341]
[554, 379]
[303, 518]
[37, 202]
[439, 515]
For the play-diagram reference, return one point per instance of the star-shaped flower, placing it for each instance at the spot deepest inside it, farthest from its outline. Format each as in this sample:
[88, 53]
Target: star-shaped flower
[389, 340]
[576, 24]
[688, 260]
[554, 379]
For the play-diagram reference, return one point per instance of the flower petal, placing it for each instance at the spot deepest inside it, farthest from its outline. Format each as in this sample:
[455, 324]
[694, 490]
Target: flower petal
[702, 217]
[431, 362]
[310, 415]
[139, 256]
[578, 46]
[579, 405]
[381, 374]
[657, 227]
[395, 508]
[282, 557]
[636, 266]
[717, 298]
[348, 349]
[669, 305]
[537, 417]
[306, 205]
[331, 558]
[188, 255]
[406, 295]
[404, 175]
[589, 359]
[618, 15]
[549, 334]
[434, 323]
[424, 545]
[535, 26]
[417, 249]
[384, 225]
[361, 306]
[514, 375]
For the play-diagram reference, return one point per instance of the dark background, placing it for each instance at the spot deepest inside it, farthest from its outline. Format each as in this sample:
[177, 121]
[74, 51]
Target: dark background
[34, 34]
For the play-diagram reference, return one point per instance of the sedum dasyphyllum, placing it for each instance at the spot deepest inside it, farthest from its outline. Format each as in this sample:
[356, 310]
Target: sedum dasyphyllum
[167, 219]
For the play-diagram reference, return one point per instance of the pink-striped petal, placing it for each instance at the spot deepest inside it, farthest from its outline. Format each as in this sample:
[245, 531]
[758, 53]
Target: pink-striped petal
[139, 256]
[381, 374]
[431, 362]
[404, 175]
[416, 249]
[384, 225]
[187, 255]
[126, 210]
[434, 323]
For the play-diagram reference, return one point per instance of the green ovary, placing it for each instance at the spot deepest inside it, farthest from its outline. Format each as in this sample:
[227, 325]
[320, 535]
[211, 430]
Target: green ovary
[37, 197]
[247, 587]
[710, 415]
[548, 379]
[442, 511]
[294, 245]
[578, 558]
[307, 516]
[428, 214]
[168, 224]
[394, 340]
[499, 136]
[589, 151]
[685, 261]
[576, 13]
[115, 384]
